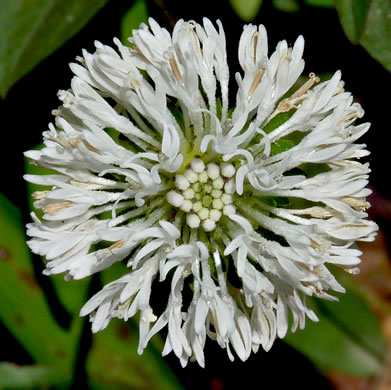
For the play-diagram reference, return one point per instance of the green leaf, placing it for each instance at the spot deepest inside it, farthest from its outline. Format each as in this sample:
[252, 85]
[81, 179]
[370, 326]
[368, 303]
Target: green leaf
[132, 19]
[368, 23]
[247, 10]
[113, 359]
[287, 5]
[347, 337]
[23, 307]
[28, 377]
[320, 3]
[30, 30]
[352, 14]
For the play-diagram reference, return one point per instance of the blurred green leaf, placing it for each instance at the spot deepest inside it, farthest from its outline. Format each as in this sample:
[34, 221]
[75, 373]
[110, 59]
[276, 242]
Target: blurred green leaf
[113, 360]
[368, 23]
[247, 10]
[132, 19]
[321, 3]
[347, 337]
[14, 377]
[352, 14]
[23, 307]
[30, 30]
[287, 5]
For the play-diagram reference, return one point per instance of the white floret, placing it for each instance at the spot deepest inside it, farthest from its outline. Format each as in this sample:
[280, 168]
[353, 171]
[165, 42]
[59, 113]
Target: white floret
[229, 186]
[227, 198]
[208, 225]
[181, 182]
[203, 213]
[191, 176]
[218, 183]
[193, 220]
[187, 205]
[229, 209]
[227, 170]
[197, 165]
[213, 171]
[175, 199]
[215, 215]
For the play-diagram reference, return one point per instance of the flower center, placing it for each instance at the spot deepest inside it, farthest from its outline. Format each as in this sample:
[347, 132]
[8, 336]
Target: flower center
[204, 193]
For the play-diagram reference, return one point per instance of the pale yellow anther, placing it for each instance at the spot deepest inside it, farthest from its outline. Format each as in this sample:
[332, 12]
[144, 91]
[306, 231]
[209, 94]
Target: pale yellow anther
[254, 44]
[175, 69]
[339, 89]
[316, 245]
[54, 208]
[257, 79]
[117, 244]
[313, 79]
[356, 203]
[39, 194]
[195, 41]
[350, 116]
[74, 142]
[288, 103]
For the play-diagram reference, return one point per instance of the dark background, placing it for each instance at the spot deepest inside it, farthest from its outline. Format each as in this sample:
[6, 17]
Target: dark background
[26, 112]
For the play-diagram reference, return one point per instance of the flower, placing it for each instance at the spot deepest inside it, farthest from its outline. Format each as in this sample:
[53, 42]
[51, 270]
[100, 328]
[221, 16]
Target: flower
[239, 209]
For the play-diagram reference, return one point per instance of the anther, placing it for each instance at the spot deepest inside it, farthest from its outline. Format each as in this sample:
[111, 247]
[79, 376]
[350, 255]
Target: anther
[175, 69]
[288, 103]
[54, 208]
[313, 79]
[257, 79]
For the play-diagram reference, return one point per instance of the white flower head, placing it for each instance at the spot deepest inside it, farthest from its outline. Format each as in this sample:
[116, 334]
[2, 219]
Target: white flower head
[242, 209]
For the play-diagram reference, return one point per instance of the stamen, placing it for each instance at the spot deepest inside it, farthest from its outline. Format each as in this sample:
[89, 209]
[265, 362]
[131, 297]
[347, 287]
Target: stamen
[257, 79]
[313, 79]
[54, 208]
[175, 69]
[39, 194]
[288, 103]
[195, 40]
[118, 244]
[316, 245]
[358, 204]
[254, 44]
[350, 116]
[74, 142]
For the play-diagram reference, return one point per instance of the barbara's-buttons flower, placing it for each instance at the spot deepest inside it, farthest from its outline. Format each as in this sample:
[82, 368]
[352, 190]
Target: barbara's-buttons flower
[240, 207]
